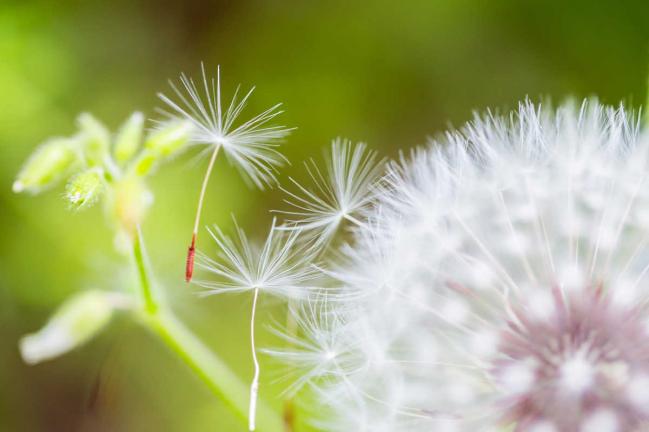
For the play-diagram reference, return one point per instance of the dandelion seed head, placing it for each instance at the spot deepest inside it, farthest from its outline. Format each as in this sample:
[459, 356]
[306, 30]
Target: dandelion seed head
[497, 282]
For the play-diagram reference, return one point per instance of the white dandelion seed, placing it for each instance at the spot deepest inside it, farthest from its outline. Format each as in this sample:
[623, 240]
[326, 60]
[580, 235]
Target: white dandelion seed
[499, 282]
[340, 193]
[251, 145]
[281, 267]
[321, 355]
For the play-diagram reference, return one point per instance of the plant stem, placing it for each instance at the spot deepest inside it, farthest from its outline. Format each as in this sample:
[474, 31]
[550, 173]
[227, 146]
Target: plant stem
[146, 289]
[206, 364]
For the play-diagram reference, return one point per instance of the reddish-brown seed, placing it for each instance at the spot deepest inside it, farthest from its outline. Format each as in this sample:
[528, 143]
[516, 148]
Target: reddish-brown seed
[189, 266]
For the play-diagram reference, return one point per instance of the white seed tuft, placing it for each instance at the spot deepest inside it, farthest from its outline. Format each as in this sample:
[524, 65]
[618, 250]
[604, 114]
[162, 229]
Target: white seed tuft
[250, 145]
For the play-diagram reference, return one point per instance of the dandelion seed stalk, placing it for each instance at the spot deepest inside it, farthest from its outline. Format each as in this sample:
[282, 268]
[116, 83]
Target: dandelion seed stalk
[189, 269]
[254, 386]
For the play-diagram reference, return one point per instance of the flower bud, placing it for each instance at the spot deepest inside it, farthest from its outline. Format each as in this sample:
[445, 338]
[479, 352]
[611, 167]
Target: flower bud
[129, 137]
[130, 201]
[96, 138]
[85, 189]
[145, 163]
[171, 138]
[46, 165]
[78, 320]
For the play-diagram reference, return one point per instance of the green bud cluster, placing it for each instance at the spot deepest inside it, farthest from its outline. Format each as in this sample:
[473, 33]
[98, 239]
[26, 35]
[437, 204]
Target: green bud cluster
[98, 163]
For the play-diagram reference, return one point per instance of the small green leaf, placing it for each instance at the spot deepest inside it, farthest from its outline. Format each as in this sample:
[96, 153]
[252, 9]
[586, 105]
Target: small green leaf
[169, 139]
[161, 144]
[128, 139]
[47, 164]
[145, 163]
[78, 320]
[95, 138]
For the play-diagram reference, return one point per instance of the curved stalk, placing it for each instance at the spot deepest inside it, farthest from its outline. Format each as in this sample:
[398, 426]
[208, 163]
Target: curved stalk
[189, 266]
[206, 364]
[254, 387]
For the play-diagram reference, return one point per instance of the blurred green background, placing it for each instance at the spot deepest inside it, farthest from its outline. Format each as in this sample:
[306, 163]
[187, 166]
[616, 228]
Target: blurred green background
[389, 73]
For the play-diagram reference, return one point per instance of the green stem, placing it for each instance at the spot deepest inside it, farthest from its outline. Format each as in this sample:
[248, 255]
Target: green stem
[146, 288]
[206, 364]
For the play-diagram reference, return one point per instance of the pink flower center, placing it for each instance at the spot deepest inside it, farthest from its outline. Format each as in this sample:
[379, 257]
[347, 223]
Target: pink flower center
[583, 365]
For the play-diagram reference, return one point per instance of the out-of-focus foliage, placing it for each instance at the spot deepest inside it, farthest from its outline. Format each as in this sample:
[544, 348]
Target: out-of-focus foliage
[389, 73]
